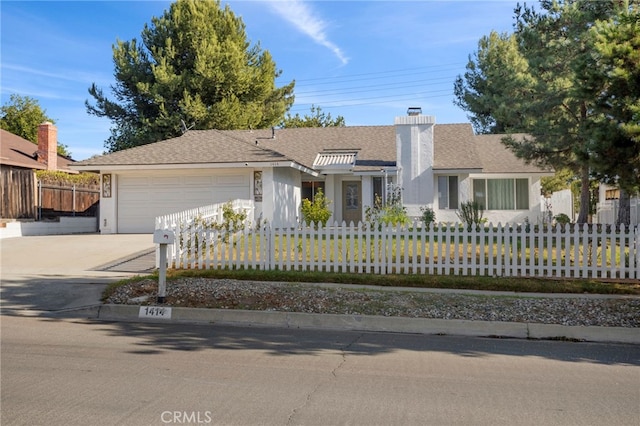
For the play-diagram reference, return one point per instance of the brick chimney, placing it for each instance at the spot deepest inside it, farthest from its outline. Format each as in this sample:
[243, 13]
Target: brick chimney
[48, 145]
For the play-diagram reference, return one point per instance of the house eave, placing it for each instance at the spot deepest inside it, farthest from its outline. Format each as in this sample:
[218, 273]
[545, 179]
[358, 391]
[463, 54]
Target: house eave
[451, 171]
[190, 166]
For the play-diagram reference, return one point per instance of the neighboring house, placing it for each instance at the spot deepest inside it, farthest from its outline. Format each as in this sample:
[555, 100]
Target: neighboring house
[439, 166]
[608, 206]
[19, 158]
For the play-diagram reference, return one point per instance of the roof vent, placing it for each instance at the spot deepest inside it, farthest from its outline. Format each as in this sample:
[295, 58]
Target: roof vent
[414, 111]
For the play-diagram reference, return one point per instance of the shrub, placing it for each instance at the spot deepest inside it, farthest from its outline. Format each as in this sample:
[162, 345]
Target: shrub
[316, 211]
[562, 219]
[390, 213]
[428, 216]
[471, 213]
[62, 178]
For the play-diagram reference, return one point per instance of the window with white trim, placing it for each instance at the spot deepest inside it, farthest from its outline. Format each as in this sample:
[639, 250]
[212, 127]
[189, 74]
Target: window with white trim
[448, 192]
[502, 194]
[310, 188]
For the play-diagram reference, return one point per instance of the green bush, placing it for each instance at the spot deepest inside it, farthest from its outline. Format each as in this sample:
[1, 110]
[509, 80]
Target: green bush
[390, 213]
[562, 219]
[316, 211]
[471, 213]
[428, 216]
[62, 178]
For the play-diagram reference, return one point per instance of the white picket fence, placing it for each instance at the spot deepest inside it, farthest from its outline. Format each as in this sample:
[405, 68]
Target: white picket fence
[502, 250]
[211, 212]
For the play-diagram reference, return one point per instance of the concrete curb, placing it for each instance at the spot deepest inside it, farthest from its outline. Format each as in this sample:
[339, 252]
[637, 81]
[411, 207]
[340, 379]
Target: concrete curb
[367, 323]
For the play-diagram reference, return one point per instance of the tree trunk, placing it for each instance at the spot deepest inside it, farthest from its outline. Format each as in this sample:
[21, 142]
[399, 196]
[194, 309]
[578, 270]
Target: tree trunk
[585, 196]
[624, 209]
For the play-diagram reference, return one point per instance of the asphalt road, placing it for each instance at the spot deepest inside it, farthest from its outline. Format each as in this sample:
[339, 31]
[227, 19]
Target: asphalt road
[79, 372]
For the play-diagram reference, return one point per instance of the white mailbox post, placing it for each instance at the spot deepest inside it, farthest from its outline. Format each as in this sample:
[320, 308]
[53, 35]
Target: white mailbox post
[163, 237]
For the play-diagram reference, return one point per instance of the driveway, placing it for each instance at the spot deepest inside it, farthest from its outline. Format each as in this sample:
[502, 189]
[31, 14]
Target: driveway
[58, 272]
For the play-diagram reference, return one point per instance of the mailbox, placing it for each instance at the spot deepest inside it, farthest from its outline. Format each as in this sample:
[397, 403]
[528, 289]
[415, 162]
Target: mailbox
[163, 236]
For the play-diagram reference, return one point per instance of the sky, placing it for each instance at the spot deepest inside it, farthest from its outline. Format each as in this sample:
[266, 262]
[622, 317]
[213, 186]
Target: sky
[367, 61]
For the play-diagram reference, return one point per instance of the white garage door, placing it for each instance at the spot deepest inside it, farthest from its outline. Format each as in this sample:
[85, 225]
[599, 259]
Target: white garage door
[142, 198]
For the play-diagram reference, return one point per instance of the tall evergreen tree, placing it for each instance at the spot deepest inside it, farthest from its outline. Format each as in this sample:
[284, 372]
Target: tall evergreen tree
[549, 104]
[611, 75]
[194, 67]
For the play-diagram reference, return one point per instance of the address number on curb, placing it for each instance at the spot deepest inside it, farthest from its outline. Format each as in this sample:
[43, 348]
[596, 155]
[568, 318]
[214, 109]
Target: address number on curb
[154, 312]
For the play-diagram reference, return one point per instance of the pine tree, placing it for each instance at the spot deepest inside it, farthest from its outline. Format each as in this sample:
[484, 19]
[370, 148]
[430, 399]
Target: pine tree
[533, 87]
[194, 67]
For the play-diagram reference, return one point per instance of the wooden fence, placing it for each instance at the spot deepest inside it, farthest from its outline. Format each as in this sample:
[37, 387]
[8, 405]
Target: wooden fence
[67, 200]
[18, 193]
[578, 251]
[23, 197]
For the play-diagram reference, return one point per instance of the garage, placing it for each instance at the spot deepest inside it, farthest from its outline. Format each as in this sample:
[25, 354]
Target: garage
[143, 197]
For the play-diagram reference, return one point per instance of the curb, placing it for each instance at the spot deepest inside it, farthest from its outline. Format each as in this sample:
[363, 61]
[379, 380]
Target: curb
[371, 323]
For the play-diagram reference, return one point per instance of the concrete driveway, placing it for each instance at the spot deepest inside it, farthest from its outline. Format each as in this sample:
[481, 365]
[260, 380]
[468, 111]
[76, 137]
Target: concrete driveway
[58, 272]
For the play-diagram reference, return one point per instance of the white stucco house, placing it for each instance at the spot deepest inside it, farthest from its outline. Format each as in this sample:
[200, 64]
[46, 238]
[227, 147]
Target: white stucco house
[436, 165]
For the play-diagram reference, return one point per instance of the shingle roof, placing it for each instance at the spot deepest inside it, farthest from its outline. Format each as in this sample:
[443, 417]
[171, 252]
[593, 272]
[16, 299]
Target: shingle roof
[194, 147]
[375, 144]
[19, 152]
[496, 158]
[456, 147]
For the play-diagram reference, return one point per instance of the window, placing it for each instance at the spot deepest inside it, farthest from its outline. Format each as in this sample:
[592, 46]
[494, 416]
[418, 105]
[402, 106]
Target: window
[448, 192]
[377, 188]
[502, 194]
[612, 194]
[309, 189]
[382, 188]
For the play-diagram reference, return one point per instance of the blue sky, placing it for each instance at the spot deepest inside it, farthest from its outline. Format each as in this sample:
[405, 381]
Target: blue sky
[364, 60]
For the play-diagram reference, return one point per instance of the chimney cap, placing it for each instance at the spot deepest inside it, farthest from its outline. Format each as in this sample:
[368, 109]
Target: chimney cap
[414, 111]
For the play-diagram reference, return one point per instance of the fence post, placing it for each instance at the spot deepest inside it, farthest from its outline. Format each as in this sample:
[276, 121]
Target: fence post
[39, 200]
[73, 199]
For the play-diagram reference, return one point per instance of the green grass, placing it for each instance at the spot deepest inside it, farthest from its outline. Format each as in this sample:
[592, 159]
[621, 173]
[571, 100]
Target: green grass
[515, 284]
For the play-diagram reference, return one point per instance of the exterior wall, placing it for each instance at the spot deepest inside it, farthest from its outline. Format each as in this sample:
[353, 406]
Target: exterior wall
[108, 206]
[285, 193]
[415, 155]
[367, 193]
[64, 226]
[465, 188]
[332, 193]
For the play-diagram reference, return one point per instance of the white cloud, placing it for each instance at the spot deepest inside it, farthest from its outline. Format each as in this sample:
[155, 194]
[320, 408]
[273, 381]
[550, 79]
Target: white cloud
[304, 19]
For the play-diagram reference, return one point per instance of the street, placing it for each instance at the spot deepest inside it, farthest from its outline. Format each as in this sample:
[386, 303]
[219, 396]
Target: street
[79, 372]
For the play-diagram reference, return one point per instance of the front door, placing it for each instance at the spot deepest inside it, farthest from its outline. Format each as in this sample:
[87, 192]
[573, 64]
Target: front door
[351, 201]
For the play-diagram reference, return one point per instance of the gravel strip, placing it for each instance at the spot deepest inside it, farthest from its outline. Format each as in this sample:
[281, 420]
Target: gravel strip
[290, 297]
